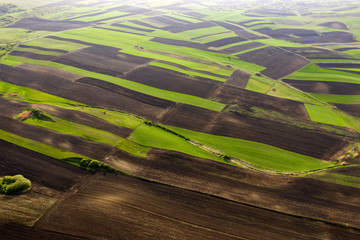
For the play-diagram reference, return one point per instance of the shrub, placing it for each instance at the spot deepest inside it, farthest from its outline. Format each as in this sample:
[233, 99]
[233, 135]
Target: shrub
[14, 184]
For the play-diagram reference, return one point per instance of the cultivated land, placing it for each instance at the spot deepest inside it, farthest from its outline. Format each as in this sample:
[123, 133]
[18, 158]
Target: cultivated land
[177, 120]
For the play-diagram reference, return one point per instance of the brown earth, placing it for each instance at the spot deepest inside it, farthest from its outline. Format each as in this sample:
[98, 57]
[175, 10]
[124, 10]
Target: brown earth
[138, 22]
[173, 81]
[242, 47]
[130, 208]
[287, 22]
[308, 36]
[225, 41]
[37, 24]
[352, 109]
[25, 115]
[44, 49]
[133, 28]
[350, 171]
[238, 30]
[278, 62]
[63, 141]
[338, 65]
[166, 21]
[180, 43]
[189, 26]
[98, 94]
[11, 108]
[89, 15]
[74, 41]
[207, 35]
[238, 79]
[122, 31]
[337, 25]
[318, 53]
[325, 87]
[316, 143]
[33, 55]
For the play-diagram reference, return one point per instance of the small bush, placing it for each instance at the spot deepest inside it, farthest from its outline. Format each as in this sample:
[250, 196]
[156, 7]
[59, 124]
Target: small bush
[14, 184]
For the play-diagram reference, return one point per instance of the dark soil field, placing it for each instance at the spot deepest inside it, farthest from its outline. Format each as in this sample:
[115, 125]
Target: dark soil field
[131, 208]
[105, 60]
[33, 55]
[352, 109]
[307, 142]
[338, 65]
[242, 47]
[37, 24]
[167, 21]
[138, 22]
[318, 53]
[173, 81]
[238, 79]
[337, 25]
[92, 92]
[187, 27]
[278, 62]
[133, 28]
[238, 30]
[325, 87]
[44, 49]
[225, 41]
[181, 43]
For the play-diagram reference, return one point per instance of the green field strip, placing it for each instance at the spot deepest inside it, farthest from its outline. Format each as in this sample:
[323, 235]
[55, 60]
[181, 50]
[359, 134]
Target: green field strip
[153, 136]
[39, 147]
[234, 44]
[340, 99]
[185, 18]
[104, 37]
[190, 64]
[101, 16]
[167, 34]
[75, 129]
[345, 180]
[211, 38]
[196, 33]
[315, 73]
[259, 84]
[19, 34]
[279, 43]
[334, 60]
[354, 52]
[37, 51]
[127, 30]
[191, 73]
[327, 115]
[259, 154]
[155, 92]
[347, 69]
[54, 44]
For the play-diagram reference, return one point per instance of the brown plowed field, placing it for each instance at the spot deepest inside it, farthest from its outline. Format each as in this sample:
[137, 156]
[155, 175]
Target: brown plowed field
[180, 43]
[325, 87]
[130, 208]
[238, 79]
[187, 27]
[33, 55]
[279, 63]
[172, 81]
[44, 49]
[194, 70]
[74, 41]
[37, 24]
[225, 41]
[195, 14]
[350, 171]
[305, 197]
[98, 94]
[133, 28]
[242, 47]
[238, 30]
[318, 53]
[166, 21]
[337, 25]
[352, 109]
[105, 60]
[40, 169]
[63, 141]
[338, 65]
[138, 22]
[292, 138]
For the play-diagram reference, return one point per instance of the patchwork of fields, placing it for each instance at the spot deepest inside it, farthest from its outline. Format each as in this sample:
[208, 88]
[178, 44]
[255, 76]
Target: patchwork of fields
[181, 121]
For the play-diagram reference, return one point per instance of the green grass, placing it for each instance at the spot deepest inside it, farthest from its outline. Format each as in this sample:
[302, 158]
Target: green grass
[101, 16]
[191, 73]
[334, 60]
[202, 32]
[18, 34]
[221, 35]
[350, 181]
[325, 114]
[168, 95]
[182, 17]
[250, 50]
[55, 44]
[258, 154]
[259, 84]
[342, 99]
[153, 136]
[279, 43]
[14, 184]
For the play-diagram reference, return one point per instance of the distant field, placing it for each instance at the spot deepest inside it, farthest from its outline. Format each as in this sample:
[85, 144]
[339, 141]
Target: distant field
[19, 34]
[342, 99]
[54, 44]
[101, 16]
[324, 114]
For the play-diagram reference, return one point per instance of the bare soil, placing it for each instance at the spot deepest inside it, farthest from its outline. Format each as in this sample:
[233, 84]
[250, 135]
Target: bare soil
[242, 47]
[44, 49]
[138, 22]
[37, 24]
[181, 43]
[133, 28]
[315, 143]
[318, 53]
[352, 109]
[225, 41]
[238, 79]
[33, 55]
[173, 81]
[132, 208]
[325, 87]
[189, 26]
[338, 65]
[238, 30]
[337, 25]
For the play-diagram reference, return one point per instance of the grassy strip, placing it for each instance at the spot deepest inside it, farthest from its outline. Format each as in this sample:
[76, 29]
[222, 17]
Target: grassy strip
[55, 44]
[168, 95]
[18, 34]
[259, 84]
[260, 155]
[250, 50]
[334, 60]
[154, 136]
[324, 114]
[211, 38]
[37, 51]
[341, 99]
[195, 33]
[341, 179]
[101, 16]
[191, 73]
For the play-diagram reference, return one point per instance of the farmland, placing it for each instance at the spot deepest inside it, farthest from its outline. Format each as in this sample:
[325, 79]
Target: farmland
[180, 120]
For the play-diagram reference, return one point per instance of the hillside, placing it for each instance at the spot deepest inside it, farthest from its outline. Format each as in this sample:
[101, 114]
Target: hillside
[181, 119]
